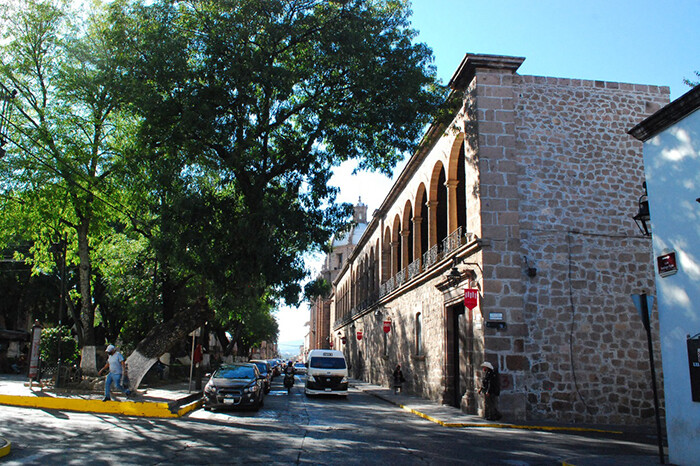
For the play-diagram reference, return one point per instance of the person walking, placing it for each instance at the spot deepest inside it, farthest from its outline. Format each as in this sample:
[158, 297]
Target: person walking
[398, 379]
[490, 389]
[117, 372]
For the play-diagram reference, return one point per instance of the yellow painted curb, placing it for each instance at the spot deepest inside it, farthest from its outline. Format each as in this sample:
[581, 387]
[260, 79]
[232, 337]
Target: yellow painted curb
[126, 408]
[4, 447]
[505, 426]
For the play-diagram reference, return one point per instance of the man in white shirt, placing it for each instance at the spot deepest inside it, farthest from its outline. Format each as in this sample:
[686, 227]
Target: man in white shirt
[117, 372]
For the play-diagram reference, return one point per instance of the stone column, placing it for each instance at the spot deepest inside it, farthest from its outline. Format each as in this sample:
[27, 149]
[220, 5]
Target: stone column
[395, 257]
[404, 247]
[452, 219]
[417, 239]
[432, 223]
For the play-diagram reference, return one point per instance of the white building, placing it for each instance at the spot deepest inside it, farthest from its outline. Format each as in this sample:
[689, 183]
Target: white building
[672, 166]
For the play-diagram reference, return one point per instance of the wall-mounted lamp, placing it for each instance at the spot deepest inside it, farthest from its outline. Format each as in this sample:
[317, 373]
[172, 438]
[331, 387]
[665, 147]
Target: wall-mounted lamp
[643, 216]
[531, 271]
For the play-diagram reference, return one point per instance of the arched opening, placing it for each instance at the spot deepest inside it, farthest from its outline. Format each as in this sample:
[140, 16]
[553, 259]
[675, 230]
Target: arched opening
[386, 255]
[407, 234]
[423, 203]
[461, 191]
[396, 246]
[441, 210]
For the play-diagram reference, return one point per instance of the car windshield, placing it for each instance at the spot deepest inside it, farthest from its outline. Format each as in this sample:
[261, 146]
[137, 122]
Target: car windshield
[327, 363]
[262, 367]
[235, 372]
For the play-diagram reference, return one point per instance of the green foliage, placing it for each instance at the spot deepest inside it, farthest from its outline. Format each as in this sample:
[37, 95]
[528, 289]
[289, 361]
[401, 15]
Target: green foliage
[318, 287]
[691, 83]
[48, 348]
[184, 149]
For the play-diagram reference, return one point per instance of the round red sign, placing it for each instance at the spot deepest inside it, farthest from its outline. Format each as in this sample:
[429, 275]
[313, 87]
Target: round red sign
[359, 334]
[387, 326]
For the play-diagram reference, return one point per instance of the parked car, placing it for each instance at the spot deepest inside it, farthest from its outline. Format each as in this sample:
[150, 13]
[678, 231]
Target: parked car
[300, 368]
[265, 372]
[235, 385]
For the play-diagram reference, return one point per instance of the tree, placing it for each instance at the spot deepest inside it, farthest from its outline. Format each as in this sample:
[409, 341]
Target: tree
[67, 133]
[269, 96]
[691, 83]
[317, 288]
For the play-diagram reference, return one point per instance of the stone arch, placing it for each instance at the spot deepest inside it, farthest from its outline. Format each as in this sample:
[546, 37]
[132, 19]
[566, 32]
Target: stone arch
[407, 235]
[437, 206]
[386, 255]
[396, 263]
[456, 187]
[420, 222]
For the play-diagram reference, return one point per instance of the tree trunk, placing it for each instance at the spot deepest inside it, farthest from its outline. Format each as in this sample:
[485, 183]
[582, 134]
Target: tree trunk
[162, 337]
[87, 313]
[88, 361]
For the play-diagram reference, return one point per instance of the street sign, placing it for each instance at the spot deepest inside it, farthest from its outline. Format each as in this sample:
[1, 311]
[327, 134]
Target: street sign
[471, 298]
[359, 334]
[387, 326]
[667, 264]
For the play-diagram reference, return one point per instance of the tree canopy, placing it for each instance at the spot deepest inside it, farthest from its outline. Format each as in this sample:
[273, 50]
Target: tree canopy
[185, 148]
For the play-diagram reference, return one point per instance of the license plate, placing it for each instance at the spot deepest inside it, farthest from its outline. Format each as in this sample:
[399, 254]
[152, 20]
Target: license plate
[228, 401]
[328, 389]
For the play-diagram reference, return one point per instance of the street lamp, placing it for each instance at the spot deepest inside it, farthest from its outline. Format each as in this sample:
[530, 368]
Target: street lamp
[642, 216]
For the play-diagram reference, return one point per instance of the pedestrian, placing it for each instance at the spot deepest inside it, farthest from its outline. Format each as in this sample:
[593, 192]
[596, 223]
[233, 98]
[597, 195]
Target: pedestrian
[117, 373]
[398, 379]
[490, 388]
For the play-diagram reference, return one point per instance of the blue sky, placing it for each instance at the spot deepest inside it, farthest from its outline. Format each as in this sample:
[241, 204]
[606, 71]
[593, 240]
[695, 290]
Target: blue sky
[641, 41]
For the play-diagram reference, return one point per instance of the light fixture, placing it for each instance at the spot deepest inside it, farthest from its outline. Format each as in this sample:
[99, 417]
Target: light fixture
[643, 216]
[531, 271]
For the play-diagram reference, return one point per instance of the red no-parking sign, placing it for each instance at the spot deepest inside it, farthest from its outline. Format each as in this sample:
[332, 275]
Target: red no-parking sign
[471, 298]
[387, 326]
[359, 334]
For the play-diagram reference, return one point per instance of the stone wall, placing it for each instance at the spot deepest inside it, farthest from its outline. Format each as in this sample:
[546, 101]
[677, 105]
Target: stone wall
[552, 180]
[579, 176]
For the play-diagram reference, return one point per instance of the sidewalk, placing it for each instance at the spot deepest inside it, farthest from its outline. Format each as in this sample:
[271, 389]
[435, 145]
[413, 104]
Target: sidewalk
[448, 416]
[173, 400]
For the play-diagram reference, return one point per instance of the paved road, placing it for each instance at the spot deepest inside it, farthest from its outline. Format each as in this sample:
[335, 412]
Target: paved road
[290, 429]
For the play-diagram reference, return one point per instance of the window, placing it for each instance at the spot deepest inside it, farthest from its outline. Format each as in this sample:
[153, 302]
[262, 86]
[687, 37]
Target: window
[419, 334]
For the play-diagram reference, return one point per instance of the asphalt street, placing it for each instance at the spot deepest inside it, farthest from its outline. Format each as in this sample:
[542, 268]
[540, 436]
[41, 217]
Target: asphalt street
[290, 429]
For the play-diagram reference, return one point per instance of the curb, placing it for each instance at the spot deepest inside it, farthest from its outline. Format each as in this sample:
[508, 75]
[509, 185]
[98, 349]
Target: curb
[126, 408]
[4, 447]
[491, 425]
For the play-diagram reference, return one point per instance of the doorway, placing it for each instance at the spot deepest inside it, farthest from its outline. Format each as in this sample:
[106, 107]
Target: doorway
[456, 363]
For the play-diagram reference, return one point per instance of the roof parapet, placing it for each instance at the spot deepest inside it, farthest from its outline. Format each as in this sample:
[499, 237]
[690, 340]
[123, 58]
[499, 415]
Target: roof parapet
[471, 61]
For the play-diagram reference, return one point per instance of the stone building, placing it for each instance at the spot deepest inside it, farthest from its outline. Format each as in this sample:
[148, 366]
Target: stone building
[525, 196]
[342, 246]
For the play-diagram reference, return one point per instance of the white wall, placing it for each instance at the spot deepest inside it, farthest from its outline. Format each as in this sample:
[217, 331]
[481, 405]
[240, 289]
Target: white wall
[672, 165]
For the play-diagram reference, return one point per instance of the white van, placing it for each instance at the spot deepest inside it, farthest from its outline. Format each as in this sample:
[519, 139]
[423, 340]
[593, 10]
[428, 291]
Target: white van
[326, 373]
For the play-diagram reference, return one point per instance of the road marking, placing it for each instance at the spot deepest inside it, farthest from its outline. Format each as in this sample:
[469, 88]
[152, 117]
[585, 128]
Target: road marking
[4, 447]
[504, 426]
